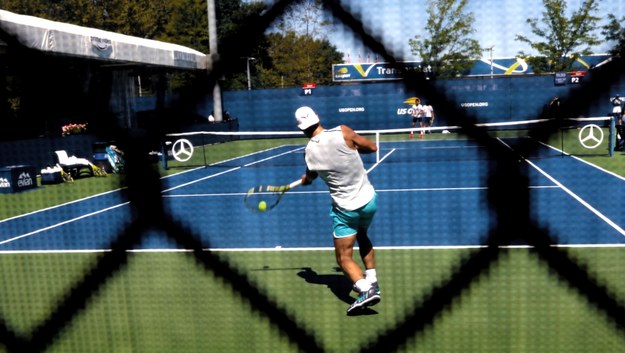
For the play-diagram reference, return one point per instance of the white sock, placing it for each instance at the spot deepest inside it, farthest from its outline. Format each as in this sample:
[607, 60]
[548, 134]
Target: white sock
[363, 285]
[371, 276]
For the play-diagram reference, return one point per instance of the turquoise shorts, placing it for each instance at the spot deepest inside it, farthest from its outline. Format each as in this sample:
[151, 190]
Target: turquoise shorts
[348, 223]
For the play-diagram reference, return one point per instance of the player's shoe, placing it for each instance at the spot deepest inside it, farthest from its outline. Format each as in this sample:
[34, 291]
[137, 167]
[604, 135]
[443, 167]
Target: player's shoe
[365, 299]
[374, 285]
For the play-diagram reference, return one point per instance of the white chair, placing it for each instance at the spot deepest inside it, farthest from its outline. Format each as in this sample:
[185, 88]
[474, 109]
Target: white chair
[73, 165]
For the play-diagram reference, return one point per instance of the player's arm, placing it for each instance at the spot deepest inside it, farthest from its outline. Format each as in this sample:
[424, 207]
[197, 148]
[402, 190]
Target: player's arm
[357, 142]
[308, 177]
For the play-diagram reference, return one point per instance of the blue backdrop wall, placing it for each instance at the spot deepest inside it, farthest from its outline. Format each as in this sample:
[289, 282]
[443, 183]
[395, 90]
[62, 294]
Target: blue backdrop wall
[381, 105]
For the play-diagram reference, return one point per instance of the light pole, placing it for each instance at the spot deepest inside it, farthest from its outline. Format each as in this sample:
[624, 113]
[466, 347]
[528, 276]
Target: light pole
[491, 60]
[249, 78]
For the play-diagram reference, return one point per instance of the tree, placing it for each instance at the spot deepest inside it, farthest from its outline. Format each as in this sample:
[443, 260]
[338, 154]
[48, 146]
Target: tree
[296, 49]
[613, 31]
[295, 60]
[564, 39]
[448, 50]
[305, 18]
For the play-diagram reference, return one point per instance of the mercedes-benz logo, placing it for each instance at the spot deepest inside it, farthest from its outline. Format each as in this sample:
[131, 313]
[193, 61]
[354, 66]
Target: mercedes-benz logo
[591, 136]
[182, 150]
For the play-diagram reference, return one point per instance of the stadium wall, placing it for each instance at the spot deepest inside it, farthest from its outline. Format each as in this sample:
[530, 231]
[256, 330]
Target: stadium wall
[381, 105]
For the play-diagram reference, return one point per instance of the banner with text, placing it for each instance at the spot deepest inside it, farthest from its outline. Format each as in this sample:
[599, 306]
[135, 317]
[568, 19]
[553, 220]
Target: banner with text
[503, 66]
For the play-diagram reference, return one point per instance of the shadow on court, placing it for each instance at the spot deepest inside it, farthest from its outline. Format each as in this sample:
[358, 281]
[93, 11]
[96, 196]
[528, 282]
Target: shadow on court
[340, 286]
[337, 283]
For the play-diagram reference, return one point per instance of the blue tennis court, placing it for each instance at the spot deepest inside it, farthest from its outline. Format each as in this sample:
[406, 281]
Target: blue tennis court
[432, 193]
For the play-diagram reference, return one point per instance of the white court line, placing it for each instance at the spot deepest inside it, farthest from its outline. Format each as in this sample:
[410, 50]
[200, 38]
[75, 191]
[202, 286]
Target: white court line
[464, 188]
[201, 179]
[275, 249]
[230, 170]
[115, 206]
[238, 194]
[572, 194]
[62, 223]
[272, 157]
[250, 154]
[579, 199]
[259, 161]
[57, 206]
[380, 161]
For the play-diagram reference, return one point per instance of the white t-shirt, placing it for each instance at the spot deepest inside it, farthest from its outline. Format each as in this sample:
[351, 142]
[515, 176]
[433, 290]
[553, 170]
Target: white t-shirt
[429, 111]
[341, 168]
[418, 111]
[616, 102]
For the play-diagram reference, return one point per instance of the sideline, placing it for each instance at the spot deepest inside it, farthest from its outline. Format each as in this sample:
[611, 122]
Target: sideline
[280, 249]
[568, 191]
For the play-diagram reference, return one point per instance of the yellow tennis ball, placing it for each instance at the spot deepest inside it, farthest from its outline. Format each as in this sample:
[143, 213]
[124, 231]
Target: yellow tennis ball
[262, 206]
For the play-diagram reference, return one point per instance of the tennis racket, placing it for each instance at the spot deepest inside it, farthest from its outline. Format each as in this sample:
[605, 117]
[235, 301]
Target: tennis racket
[265, 197]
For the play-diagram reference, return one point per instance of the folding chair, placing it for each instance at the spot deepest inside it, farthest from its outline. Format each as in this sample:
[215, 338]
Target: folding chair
[73, 165]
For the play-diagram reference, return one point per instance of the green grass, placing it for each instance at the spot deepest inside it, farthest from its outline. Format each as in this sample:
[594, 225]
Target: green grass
[164, 302]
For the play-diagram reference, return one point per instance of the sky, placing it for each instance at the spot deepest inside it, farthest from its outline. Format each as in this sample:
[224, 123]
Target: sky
[497, 22]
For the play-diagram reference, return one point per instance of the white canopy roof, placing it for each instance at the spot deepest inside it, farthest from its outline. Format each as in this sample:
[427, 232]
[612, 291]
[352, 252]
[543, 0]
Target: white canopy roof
[67, 39]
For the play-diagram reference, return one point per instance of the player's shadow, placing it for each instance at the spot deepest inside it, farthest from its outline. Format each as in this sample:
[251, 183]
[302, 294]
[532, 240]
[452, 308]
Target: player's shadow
[340, 285]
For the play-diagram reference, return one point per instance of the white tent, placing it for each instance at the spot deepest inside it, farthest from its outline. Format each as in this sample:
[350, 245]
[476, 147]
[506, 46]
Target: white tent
[71, 40]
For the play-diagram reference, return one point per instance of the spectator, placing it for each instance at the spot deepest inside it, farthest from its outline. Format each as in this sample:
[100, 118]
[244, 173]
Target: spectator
[429, 116]
[417, 116]
[554, 108]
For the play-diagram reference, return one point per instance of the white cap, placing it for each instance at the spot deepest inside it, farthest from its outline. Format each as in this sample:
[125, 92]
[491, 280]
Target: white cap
[306, 117]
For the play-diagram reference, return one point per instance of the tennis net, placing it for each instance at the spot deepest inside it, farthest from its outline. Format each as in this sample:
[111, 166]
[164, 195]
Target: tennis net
[538, 138]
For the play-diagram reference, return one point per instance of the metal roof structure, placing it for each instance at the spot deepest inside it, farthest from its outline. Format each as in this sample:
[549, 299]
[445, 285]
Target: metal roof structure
[90, 43]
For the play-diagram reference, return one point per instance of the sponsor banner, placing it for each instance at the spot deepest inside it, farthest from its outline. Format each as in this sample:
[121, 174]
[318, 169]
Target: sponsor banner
[483, 67]
[370, 72]
[5, 183]
[17, 178]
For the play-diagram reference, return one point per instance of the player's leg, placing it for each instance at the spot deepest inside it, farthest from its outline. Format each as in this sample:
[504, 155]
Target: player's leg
[343, 251]
[367, 254]
[346, 224]
[365, 246]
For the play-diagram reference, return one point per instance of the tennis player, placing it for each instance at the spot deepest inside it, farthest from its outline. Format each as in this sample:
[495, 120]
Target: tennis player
[333, 154]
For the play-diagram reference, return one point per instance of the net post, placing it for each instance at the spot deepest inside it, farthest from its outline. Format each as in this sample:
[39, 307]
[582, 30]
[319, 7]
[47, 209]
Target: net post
[612, 135]
[204, 142]
[164, 155]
